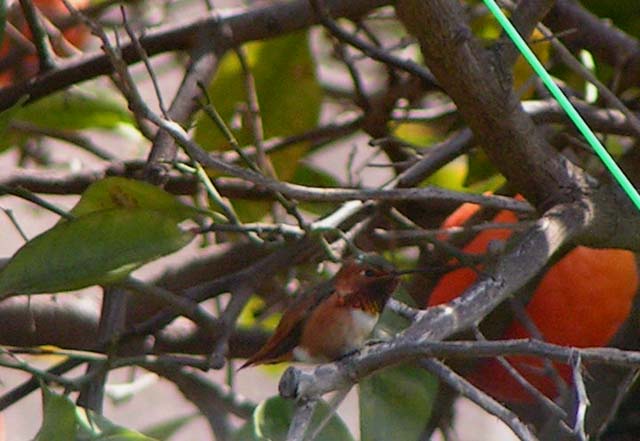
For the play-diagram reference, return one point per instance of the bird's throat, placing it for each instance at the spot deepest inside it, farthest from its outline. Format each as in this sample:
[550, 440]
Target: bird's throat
[367, 303]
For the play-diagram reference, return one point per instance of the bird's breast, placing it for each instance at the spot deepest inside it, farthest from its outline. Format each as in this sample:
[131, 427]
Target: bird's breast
[334, 331]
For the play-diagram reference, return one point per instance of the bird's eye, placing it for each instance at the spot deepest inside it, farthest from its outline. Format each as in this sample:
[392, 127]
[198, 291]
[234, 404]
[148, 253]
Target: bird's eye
[369, 273]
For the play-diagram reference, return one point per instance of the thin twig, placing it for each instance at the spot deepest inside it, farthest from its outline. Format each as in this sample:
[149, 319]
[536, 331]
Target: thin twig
[53, 182]
[581, 397]
[435, 157]
[372, 51]
[239, 298]
[534, 348]
[450, 232]
[332, 407]
[25, 388]
[361, 97]
[483, 400]
[21, 365]
[16, 225]
[254, 119]
[258, 228]
[184, 306]
[567, 57]
[145, 59]
[76, 139]
[28, 196]
[59, 43]
[549, 404]
[211, 111]
[19, 41]
[111, 324]
[529, 325]
[46, 57]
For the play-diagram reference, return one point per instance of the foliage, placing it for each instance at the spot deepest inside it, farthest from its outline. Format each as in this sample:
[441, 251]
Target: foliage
[64, 421]
[272, 417]
[362, 105]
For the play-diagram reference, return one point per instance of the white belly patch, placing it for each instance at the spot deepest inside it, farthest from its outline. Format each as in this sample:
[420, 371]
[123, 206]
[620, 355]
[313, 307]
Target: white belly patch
[363, 324]
[301, 354]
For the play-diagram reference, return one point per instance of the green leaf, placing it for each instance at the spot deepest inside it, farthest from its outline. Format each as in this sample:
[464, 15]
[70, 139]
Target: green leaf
[416, 133]
[117, 192]
[391, 323]
[289, 95]
[94, 427]
[254, 308]
[396, 403]
[6, 117]
[288, 92]
[166, 429]
[623, 13]
[245, 433]
[480, 168]
[272, 417]
[64, 421]
[59, 418]
[77, 109]
[98, 248]
[482, 175]
[450, 176]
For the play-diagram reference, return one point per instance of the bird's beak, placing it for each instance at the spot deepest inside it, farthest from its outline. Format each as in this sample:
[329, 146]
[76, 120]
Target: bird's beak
[416, 270]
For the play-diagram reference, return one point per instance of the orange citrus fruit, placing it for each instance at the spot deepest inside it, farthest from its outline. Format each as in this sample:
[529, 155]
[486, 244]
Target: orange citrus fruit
[581, 301]
[54, 10]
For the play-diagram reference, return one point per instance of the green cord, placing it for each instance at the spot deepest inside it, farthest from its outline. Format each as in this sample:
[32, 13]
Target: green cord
[564, 102]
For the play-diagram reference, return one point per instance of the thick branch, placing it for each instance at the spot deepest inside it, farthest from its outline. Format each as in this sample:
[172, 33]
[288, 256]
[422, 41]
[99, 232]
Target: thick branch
[66, 321]
[484, 95]
[203, 66]
[514, 269]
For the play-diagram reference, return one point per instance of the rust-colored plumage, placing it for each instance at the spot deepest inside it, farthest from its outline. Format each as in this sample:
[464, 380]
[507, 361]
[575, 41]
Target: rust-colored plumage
[334, 318]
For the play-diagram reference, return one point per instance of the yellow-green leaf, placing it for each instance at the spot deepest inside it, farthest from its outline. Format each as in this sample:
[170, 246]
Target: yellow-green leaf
[59, 418]
[288, 92]
[95, 427]
[6, 116]
[272, 417]
[289, 96]
[64, 421]
[165, 430]
[77, 109]
[117, 192]
[98, 248]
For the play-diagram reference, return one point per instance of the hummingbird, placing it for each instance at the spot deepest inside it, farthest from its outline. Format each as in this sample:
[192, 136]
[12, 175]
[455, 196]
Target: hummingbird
[334, 318]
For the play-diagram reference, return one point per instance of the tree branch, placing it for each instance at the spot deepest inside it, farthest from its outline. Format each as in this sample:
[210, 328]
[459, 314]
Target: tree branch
[483, 93]
[607, 42]
[513, 270]
[254, 24]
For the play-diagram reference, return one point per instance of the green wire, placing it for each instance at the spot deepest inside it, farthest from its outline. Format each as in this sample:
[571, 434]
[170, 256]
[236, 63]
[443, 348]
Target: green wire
[566, 105]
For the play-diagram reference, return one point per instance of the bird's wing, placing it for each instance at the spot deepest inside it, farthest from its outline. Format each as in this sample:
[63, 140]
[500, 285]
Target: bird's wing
[287, 334]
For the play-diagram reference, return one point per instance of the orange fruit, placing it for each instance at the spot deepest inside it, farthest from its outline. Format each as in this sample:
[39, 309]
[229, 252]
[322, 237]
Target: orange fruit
[54, 10]
[581, 301]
